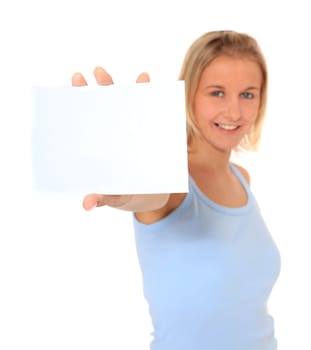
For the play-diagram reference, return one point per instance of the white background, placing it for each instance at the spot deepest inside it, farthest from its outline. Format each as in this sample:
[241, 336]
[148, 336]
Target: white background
[70, 279]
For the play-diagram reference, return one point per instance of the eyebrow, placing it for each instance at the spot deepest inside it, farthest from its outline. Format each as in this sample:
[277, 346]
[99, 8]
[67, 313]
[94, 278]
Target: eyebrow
[222, 87]
[253, 88]
[214, 86]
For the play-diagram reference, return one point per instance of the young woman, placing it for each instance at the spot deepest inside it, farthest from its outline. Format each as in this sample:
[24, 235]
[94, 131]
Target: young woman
[207, 258]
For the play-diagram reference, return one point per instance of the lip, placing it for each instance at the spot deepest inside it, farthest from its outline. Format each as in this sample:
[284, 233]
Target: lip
[227, 131]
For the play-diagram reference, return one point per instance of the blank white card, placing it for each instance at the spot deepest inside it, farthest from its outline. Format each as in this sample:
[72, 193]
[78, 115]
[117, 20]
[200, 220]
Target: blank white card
[117, 139]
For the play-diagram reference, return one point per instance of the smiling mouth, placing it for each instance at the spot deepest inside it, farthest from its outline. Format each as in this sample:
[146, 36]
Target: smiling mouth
[227, 127]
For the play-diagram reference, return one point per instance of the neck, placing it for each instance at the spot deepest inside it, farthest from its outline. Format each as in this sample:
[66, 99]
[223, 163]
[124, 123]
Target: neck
[204, 155]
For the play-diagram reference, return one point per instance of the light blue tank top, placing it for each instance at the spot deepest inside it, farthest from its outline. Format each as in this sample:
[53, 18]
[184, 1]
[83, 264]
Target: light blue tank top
[208, 271]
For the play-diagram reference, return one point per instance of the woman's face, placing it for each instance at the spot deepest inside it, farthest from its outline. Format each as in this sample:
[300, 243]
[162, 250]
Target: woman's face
[227, 100]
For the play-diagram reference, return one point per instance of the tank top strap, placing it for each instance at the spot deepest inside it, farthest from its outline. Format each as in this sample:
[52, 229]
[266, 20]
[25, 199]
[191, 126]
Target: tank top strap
[241, 178]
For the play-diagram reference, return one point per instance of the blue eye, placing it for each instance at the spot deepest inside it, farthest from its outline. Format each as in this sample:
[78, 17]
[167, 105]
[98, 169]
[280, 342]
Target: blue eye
[217, 93]
[247, 95]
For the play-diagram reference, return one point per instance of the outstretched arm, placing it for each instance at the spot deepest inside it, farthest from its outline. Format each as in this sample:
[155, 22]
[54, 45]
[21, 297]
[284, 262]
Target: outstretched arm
[135, 203]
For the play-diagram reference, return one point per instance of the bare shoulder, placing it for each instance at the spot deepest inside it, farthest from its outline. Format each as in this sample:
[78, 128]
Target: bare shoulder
[244, 172]
[150, 217]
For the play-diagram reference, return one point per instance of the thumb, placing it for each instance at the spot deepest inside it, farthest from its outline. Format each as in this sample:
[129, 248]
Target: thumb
[91, 201]
[143, 78]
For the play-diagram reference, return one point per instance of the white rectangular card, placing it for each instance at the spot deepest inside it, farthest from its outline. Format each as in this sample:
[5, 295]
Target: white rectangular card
[116, 139]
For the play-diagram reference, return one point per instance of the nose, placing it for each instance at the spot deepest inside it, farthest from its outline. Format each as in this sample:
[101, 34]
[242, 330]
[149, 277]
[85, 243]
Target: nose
[233, 109]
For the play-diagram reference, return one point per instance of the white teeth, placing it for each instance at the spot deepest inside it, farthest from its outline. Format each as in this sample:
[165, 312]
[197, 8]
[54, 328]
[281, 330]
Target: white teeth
[227, 127]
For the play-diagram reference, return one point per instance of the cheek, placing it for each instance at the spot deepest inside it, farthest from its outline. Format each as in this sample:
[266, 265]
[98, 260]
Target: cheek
[197, 107]
[251, 113]
[202, 110]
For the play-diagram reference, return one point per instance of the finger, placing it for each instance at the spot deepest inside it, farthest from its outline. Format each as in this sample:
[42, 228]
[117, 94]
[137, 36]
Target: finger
[102, 77]
[143, 78]
[91, 201]
[78, 80]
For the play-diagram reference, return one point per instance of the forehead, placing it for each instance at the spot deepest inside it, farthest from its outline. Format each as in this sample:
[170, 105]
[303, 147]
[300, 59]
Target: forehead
[224, 70]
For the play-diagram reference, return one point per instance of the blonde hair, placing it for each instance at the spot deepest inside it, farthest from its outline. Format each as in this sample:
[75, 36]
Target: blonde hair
[201, 53]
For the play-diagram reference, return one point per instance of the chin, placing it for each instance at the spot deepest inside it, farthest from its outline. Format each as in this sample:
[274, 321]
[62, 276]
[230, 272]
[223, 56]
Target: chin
[227, 147]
